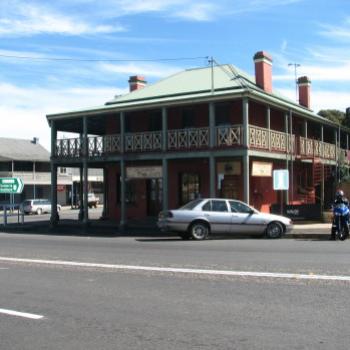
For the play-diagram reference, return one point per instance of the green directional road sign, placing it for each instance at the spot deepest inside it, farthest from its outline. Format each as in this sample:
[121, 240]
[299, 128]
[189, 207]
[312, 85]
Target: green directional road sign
[11, 185]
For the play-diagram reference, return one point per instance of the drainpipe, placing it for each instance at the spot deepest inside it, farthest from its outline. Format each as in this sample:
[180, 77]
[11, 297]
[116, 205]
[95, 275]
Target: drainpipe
[268, 126]
[322, 174]
[246, 173]
[122, 173]
[164, 160]
[212, 160]
[287, 151]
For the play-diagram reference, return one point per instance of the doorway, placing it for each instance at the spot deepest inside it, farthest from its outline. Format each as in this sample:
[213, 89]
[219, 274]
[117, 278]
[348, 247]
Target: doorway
[154, 195]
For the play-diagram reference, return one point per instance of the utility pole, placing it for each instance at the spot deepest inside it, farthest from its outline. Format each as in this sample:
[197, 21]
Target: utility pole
[295, 65]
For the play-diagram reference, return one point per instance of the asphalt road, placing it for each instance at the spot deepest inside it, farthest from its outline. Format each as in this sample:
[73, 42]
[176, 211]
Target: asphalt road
[117, 306]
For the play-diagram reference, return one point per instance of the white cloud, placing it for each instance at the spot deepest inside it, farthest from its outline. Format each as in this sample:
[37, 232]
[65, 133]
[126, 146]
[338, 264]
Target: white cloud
[22, 19]
[197, 12]
[147, 69]
[25, 109]
[337, 32]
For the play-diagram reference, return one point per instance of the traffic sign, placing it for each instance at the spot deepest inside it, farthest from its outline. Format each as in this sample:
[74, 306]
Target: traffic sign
[281, 179]
[11, 185]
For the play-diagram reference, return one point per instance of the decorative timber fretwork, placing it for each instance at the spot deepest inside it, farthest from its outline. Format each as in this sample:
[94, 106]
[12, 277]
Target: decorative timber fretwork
[229, 135]
[310, 148]
[197, 139]
[277, 141]
[142, 142]
[188, 138]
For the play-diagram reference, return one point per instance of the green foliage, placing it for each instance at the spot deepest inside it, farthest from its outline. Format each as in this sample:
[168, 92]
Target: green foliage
[335, 116]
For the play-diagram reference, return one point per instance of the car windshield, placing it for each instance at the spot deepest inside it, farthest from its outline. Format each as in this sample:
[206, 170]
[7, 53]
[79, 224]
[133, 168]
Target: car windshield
[191, 205]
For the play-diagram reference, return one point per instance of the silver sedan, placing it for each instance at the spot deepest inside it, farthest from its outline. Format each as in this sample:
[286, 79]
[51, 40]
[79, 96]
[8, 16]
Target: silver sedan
[199, 218]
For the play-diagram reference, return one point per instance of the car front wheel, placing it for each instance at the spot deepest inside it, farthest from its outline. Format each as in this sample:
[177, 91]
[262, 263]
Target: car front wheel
[199, 230]
[274, 230]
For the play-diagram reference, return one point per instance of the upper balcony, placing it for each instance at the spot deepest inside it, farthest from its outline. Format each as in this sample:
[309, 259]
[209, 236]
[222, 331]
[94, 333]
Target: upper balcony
[195, 139]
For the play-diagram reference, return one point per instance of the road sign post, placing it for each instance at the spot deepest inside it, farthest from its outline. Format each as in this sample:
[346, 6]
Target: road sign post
[281, 182]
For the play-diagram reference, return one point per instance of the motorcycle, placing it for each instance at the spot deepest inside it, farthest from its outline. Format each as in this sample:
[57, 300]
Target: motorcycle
[340, 223]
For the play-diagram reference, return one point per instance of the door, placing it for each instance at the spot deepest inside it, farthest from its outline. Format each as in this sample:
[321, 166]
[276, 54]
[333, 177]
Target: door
[218, 215]
[154, 195]
[245, 219]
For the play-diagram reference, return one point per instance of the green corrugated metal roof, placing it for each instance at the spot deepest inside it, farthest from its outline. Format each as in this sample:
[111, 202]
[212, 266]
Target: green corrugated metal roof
[191, 81]
[192, 84]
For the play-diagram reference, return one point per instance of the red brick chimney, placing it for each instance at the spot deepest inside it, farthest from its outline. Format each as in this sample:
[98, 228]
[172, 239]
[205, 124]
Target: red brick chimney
[263, 70]
[304, 84]
[136, 82]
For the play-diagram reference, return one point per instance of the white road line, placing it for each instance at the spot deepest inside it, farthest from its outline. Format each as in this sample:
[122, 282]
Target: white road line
[181, 270]
[20, 314]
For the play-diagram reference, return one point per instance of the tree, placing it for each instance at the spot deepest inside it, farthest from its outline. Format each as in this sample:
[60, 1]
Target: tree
[335, 116]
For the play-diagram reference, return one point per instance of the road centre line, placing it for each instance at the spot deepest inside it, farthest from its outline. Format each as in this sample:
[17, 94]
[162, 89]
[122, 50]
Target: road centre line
[181, 270]
[20, 314]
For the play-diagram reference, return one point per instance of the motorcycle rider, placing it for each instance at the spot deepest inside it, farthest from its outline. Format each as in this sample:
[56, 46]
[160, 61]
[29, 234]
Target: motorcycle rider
[339, 199]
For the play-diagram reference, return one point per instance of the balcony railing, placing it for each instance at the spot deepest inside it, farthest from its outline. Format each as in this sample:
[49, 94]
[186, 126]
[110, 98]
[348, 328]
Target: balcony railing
[198, 138]
[188, 138]
[69, 148]
[314, 148]
[273, 140]
[229, 135]
[143, 142]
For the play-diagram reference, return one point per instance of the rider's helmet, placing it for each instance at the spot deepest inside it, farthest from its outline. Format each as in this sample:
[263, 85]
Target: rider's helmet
[339, 195]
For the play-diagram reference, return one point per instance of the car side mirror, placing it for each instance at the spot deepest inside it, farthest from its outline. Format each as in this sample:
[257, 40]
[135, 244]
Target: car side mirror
[251, 212]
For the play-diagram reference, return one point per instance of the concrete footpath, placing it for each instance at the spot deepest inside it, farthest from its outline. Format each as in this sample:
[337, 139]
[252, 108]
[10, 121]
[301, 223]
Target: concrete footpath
[301, 230]
[310, 230]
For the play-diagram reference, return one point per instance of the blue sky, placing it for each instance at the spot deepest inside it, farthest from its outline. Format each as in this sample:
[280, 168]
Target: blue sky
[312, 33]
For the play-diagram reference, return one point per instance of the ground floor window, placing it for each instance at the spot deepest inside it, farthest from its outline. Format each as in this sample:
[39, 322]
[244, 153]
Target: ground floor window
[189, 187]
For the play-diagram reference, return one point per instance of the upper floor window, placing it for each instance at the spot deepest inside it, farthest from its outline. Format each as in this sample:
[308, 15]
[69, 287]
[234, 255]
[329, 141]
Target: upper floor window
[188, 119]
[155, 121]
[222, 114]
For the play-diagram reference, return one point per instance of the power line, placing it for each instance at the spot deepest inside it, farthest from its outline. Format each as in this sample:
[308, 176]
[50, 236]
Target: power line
[101, 59]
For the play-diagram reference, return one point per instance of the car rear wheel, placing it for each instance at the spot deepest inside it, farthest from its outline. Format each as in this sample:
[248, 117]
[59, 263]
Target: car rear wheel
[274, 230]
[39, 211]
[199, 230]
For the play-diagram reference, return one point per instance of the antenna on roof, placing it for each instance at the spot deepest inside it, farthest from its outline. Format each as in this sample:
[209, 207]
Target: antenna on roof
[211, 62]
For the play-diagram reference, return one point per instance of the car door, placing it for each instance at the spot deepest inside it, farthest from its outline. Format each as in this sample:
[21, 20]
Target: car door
[244, 219]
[47, 206]
[217, 213]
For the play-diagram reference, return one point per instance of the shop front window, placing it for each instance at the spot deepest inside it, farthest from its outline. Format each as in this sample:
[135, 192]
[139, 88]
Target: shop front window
[189, 189]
